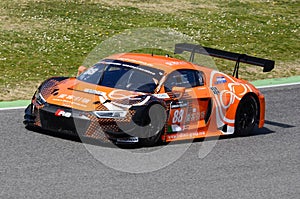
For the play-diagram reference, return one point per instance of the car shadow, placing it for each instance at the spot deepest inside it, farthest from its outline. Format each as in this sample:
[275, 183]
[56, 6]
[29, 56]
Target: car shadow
[256, 132]
[279, 124]
[71, 137]
[79, 139]
[54, 134]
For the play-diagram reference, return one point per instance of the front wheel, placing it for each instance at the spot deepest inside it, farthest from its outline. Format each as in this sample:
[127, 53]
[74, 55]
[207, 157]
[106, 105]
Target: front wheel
[246, 116]
[155, 119]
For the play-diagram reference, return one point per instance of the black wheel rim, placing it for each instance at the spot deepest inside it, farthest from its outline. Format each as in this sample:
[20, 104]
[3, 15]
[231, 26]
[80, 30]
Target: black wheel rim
[247, 115]
[152, 128]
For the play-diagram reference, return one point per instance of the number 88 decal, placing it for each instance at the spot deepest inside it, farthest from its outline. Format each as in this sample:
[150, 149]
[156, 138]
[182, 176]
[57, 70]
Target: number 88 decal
[178, 116]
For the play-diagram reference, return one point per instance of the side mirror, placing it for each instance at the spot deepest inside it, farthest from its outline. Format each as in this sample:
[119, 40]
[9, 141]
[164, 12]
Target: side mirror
[178, 91]
[81, 69]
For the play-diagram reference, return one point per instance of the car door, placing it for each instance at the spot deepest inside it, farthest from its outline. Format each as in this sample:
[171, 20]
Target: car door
[192, 110]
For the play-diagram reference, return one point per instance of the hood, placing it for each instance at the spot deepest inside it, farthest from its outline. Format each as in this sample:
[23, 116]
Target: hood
[80, 95]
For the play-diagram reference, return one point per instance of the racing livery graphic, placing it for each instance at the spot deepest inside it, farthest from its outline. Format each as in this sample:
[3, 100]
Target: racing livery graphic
[144, 98]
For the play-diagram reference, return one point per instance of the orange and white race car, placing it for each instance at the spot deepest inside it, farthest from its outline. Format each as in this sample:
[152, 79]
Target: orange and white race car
[144, 98]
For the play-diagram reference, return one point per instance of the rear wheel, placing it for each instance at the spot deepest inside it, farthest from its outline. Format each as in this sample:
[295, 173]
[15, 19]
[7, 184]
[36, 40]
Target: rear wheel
[155, 119]
[246, 116]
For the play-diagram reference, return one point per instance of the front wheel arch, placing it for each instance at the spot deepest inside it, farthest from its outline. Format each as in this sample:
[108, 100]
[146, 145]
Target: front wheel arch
[157, 121]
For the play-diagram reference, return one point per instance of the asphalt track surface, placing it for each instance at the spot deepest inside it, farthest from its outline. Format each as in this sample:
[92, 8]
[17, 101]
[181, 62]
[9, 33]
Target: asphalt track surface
[264, 165]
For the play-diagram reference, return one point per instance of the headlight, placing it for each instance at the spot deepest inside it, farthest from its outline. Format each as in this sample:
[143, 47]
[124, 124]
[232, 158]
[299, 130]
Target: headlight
[110, 114]
[39, 98]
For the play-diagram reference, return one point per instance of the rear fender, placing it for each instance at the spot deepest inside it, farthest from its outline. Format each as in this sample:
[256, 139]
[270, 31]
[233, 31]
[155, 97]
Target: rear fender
[260, 100]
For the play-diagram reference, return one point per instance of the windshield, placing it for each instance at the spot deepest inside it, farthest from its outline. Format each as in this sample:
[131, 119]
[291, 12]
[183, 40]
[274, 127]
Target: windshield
[123, 75]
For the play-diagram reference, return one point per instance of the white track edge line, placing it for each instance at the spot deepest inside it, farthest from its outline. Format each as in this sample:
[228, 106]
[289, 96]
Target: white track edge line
[13, 108]
[259, 87]
[278, 85]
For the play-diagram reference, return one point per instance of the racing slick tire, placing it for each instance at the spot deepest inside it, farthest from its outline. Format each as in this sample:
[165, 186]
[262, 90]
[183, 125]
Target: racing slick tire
[154, 122]
[246, 116]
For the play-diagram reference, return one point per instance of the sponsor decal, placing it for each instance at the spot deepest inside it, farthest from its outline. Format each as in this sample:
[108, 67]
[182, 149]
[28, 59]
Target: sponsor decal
[184, 135]
[74, 98]
[221, 80]
[215, 90]
[176, 128]
[62, 113]
[136, 61]
[136, 67]
[91, 71]
[195, 116]
[162, 96]
[179, 105]
[172, 63]
[139, 68]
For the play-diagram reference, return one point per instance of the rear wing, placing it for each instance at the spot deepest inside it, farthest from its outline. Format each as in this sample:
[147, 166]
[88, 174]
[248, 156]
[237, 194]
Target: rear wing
[267, 64]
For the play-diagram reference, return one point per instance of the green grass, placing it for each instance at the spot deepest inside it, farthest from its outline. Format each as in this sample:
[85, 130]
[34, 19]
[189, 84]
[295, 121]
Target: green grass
[40, 39]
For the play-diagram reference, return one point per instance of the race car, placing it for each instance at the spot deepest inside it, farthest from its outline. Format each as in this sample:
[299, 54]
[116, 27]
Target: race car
[146, 99]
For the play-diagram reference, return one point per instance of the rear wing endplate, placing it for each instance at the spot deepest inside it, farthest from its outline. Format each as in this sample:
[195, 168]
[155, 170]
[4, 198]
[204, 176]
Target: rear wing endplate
[267, 64]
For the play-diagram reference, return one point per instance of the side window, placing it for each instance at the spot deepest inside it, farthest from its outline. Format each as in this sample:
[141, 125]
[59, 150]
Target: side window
[200, 77]
[184, 78]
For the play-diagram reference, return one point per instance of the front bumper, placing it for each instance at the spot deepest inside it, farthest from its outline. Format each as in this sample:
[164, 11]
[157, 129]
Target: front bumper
[49, 118]
[79, 123]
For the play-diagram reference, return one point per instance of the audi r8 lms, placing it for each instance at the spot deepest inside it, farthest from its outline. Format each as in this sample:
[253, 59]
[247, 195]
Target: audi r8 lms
[146, 98]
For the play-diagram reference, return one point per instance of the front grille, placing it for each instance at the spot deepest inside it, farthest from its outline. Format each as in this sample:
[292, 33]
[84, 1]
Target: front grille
[55, 123]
